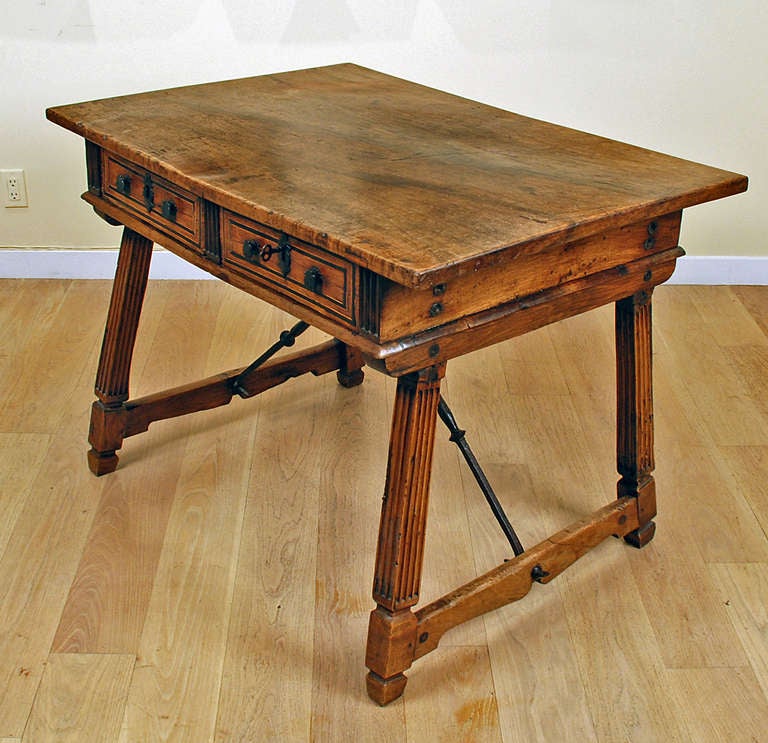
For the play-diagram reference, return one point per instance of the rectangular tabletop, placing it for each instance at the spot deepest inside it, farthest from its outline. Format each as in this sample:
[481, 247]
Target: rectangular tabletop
[415, 184]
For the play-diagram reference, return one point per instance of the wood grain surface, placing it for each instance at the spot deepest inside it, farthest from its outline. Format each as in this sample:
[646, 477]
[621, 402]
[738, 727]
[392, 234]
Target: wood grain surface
[416, 184]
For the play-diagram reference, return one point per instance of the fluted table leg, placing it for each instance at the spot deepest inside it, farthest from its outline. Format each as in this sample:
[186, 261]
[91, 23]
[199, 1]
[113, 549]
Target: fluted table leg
[108, 413]
[392, 628]
[634, 388]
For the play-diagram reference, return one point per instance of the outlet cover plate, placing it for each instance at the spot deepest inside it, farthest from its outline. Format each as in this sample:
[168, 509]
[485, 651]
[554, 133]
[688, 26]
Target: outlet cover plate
[14, 188]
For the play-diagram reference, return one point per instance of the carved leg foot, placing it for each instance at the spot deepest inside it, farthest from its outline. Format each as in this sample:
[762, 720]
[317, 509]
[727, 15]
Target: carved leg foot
[383, 691]
[640, 537]
[350, 379]
[351, 374]
[102, 462]
[105, 437]
[645, 498]
[391, 645]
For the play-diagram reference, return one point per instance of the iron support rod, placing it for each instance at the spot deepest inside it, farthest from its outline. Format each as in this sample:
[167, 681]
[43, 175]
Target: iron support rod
[458, 437]
[287, 339]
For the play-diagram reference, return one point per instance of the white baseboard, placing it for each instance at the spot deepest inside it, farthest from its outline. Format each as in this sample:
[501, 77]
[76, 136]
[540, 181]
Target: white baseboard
[719, 270]
[32, 263]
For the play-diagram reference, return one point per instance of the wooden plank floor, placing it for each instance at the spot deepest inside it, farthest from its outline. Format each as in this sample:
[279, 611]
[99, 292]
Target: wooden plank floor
[217, 586]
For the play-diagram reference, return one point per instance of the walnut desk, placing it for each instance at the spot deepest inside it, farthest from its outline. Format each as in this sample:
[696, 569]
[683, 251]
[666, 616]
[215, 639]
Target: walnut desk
[413, 227]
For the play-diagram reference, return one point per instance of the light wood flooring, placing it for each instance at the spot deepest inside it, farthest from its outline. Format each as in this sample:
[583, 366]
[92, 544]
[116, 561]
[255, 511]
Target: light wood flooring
[217, 586]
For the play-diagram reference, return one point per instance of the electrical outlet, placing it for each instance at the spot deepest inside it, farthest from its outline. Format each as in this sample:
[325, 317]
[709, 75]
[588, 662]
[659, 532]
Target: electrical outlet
[14, 188]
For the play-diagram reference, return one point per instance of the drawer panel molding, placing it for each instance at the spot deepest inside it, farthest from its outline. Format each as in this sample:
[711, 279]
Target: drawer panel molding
[166, 206]
[295, 269]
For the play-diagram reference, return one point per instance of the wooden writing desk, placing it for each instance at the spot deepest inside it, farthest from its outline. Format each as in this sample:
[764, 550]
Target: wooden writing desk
[413, 227]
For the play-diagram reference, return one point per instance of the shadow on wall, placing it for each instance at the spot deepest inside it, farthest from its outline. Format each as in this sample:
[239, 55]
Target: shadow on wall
[483, 26]
[297, 21]
[479, 25]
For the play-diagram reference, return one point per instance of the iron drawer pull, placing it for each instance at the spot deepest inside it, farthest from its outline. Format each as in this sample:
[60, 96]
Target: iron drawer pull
[313, 280]
[123, 184]
[253, 252]
[169, 210]
[149, 192]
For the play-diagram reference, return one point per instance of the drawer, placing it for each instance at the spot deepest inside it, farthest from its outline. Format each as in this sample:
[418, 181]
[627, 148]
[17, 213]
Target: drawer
[166, 206]
[297, 270]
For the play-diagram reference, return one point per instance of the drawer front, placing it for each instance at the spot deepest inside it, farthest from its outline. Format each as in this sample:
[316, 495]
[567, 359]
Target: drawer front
[167, 207]
[295, 269]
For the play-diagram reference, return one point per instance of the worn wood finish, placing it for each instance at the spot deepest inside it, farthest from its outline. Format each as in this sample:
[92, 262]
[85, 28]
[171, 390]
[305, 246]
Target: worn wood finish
[376, 168]
[415, 227]
[403, 311]
[517, 317]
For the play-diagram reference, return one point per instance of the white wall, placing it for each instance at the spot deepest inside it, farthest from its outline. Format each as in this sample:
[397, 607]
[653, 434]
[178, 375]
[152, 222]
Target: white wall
[687, 77]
